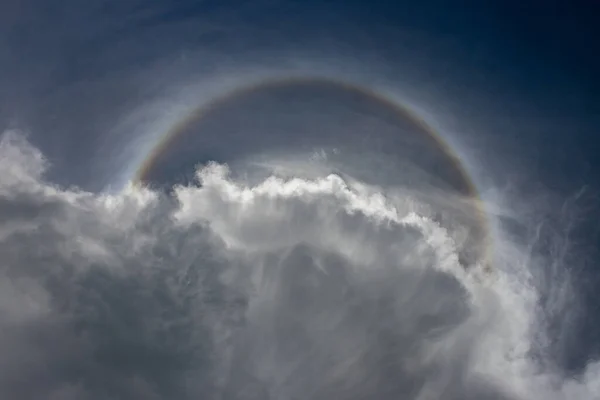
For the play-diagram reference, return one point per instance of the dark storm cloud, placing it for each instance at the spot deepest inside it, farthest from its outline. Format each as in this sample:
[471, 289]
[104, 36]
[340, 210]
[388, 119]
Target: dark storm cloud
[85, 314]
[288, 289]
[111, 297]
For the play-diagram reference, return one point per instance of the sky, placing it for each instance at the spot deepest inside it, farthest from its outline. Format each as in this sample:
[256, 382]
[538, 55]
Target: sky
[517, 66]
[287, 268]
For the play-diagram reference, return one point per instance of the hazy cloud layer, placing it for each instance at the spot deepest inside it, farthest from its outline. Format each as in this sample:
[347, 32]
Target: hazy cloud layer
[290, 289]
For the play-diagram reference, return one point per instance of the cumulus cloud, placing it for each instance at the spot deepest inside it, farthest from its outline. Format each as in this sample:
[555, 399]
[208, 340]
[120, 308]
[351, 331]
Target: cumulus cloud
[287, 289]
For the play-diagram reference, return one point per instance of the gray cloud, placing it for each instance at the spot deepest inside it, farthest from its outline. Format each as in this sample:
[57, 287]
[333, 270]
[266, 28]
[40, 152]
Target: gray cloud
[285, 290]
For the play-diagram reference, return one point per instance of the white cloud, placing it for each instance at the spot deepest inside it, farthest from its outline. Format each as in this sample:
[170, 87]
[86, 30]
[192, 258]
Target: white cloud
[292, 288]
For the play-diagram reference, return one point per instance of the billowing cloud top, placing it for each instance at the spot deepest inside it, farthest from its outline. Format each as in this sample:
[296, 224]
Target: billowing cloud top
[287, 289]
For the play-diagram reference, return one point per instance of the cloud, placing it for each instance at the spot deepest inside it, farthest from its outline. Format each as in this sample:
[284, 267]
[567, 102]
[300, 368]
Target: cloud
[291, 288]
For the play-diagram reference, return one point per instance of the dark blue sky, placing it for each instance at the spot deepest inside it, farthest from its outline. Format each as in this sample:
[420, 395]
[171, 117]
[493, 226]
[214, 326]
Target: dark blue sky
[518, 63]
